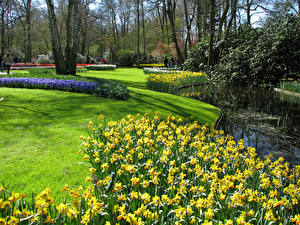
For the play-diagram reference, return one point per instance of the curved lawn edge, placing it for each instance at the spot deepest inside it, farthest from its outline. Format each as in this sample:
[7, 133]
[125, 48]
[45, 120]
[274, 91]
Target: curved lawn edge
[201, 111]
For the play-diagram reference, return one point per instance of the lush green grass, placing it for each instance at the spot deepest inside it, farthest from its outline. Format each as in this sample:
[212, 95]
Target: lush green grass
[40, 129]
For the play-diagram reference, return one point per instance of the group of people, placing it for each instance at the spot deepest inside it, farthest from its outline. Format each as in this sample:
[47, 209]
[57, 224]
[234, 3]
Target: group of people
[171, 63]
[5, 62]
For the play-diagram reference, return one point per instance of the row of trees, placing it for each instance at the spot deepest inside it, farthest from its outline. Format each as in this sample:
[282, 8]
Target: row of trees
[103, 28]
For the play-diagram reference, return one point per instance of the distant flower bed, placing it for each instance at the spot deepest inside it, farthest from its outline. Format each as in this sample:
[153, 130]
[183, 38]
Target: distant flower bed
[107, 89]
[40, 64]
[152, 65]
[160, 70]
[24, 66]
[101, 67]
[171, 82]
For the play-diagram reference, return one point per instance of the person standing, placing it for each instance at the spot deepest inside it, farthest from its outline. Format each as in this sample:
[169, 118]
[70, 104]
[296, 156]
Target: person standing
[7, 61]
[166, 62]
[172, 63]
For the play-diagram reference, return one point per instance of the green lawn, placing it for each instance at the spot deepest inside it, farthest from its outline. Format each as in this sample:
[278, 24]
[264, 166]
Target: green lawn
[40, 129]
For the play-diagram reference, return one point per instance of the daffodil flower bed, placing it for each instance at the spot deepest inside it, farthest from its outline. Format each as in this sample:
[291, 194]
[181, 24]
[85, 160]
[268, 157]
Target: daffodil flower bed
[152, 169]
[151, 65]
[101, 67]
[171, 82]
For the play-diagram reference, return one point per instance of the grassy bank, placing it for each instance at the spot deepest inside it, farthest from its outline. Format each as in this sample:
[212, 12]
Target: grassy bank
[40, 129]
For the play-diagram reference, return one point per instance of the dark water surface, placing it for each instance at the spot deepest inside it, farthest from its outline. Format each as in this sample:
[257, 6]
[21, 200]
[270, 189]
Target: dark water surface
[265, 119]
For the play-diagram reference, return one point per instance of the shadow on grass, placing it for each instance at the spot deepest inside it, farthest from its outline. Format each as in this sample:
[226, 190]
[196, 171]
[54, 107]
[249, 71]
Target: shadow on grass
[139, 85]
[208, 113]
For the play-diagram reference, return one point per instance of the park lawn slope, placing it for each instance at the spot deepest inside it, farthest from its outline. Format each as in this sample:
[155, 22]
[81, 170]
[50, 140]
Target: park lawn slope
[40, 130]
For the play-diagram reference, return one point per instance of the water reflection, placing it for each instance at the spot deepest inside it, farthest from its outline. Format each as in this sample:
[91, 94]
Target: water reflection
[266, 120]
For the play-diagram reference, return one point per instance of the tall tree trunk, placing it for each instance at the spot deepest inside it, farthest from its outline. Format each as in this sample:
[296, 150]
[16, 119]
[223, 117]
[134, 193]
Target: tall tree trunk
[171, 8]
[165, 17]
[222, 19]
[212, 33]
[144, 33]
[162, 25]
[72, 36]
[60, 64]
[248, 10]
[28, 47]
[138, 33]
[65, 64]
[2, 33]
[199, 21]
[189, 21]
[84, 30]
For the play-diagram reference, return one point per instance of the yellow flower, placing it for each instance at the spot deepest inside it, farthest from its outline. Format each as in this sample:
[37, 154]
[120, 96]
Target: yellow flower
[296, 219]
[62, 208]
[117, 187]
[72, 213]
[105, 166]
[145, 197]
[156, 200]
[134, 181]
[92, 170]
[209, 214]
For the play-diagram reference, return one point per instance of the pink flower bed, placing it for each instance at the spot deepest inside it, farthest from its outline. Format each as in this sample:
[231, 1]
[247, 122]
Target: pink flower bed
[24, 66]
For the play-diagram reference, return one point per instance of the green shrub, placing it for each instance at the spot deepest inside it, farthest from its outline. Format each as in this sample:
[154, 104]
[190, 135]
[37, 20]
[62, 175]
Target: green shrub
[197, 58]
[126, 58]
[277, 54]
[40, 71]
[113, 90]
[290, 86]
[254, 56]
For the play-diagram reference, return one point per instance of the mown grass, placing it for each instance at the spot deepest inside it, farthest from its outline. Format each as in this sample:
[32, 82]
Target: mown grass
[40, 129]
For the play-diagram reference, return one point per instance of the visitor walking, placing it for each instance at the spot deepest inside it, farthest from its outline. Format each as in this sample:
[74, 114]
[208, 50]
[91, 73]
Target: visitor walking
[166, 61]
[7, 62]
[172, 63]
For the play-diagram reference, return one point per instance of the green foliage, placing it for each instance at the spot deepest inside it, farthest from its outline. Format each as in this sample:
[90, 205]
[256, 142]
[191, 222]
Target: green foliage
[197, 58]
[277, 53]
[126, 58]
[41, 72]
[113, 90]
[235, 60]
[261, 56]
[290, 86]
[101, 67]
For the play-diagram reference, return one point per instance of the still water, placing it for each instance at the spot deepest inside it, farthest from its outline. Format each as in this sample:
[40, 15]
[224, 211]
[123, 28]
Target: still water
[265, 119]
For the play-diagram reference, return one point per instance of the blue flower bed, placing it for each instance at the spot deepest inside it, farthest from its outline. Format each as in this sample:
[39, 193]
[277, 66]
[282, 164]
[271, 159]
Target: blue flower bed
[64, 85]
[107, 89]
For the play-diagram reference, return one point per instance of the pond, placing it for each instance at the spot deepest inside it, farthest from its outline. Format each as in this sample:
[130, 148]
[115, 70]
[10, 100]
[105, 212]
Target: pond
[265, 119]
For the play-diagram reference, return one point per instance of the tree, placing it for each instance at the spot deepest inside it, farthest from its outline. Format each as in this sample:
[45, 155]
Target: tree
[211, 33]
[171, 11]
[138, 32]
[24, 8]
[65, 63]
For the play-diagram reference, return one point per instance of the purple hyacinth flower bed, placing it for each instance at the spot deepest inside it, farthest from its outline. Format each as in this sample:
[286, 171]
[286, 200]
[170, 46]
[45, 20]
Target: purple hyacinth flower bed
[53, 84]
